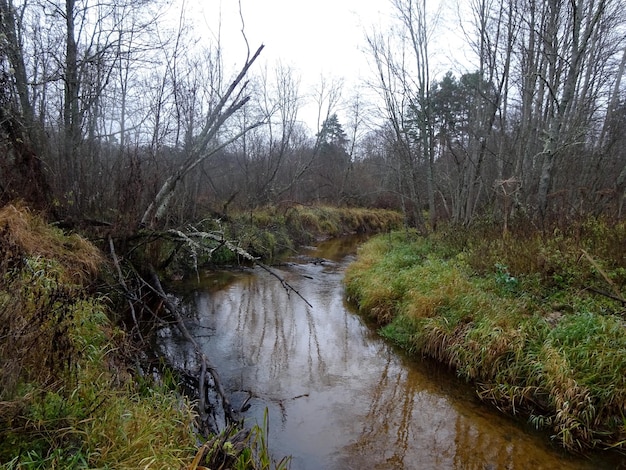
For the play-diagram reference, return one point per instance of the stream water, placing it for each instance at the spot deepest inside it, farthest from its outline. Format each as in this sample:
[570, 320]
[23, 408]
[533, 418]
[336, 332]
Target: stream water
[337, 395]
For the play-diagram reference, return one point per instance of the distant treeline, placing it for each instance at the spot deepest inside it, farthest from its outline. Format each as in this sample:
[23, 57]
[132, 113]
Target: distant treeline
[103, 117]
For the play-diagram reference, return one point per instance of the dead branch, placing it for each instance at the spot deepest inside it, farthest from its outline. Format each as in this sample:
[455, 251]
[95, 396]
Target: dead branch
[205, 363]
[129, 296]
[230, 103]
[188, 238]
[196, 241]
[608, 295]
[616, 292]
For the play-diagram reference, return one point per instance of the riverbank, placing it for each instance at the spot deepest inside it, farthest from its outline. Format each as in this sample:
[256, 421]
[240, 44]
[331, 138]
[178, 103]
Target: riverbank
[273, 231]
[535, 322]
[75, 391]
[71, 396]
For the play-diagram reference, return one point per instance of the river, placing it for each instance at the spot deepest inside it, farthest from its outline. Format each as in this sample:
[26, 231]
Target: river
[338, 396]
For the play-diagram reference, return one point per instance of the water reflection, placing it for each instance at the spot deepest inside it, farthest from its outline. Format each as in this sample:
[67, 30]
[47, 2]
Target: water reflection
[338, 396]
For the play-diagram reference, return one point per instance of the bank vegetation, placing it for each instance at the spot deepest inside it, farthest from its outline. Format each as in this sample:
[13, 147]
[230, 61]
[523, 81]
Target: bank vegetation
[535, 321]
[76, 390]
[146, 137]
[81, 387]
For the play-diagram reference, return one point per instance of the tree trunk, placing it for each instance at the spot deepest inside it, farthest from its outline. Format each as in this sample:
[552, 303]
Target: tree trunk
[201, 150]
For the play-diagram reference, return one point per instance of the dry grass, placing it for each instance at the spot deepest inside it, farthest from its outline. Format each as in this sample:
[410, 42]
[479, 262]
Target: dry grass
[66, 400]
[270, 232]
[522, 330]
[24, 234]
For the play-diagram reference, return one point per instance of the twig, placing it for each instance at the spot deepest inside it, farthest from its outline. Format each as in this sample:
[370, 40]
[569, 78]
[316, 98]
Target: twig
[120, 276]
[235, 249]
[618, 294]
[607, 294]
[205, 364]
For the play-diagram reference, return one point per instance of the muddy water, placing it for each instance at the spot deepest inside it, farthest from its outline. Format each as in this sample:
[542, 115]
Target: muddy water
[338, 396]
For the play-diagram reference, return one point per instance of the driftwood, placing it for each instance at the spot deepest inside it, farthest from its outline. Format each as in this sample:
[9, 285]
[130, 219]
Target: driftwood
[205, 363]
[130, 297]
[195, 240]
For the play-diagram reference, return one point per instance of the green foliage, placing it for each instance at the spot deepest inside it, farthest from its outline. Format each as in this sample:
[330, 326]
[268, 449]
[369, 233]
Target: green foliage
[514, 315]
[504, 279]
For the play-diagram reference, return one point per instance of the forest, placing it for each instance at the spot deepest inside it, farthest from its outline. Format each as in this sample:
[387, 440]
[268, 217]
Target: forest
[123, 123]
[109, 115]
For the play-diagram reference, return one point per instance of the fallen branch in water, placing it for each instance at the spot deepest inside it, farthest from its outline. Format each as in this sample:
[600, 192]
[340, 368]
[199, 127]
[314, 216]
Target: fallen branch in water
[198, 242]
[219, 238]
[205, 364]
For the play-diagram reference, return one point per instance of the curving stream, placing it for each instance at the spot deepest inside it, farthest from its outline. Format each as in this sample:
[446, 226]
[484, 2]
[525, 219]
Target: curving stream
[338, 396]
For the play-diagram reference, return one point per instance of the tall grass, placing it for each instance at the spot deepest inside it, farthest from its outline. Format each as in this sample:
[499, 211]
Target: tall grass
[67, 398]
[271, 231]
[518, 316]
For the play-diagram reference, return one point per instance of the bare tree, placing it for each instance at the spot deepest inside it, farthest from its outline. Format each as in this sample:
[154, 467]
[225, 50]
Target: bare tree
[492, 38]
[569, 38]
[203, 145]
[419, 25]
[281, 104]
[394, 87]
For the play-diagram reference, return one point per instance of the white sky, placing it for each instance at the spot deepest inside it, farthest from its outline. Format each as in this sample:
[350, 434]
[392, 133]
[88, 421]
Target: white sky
[315, 37]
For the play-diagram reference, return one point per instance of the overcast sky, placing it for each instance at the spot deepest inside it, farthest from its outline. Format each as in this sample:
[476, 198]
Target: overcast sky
[315, 37]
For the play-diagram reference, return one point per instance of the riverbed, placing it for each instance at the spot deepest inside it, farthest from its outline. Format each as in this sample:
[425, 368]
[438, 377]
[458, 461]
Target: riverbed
[337, 395]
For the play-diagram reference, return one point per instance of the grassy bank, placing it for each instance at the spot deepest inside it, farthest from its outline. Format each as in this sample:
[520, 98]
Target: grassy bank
[535, 321]
[71, 395]
[272, 231]
[67, 399]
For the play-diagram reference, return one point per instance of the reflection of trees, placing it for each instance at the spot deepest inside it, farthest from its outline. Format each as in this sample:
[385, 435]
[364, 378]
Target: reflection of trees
[405, 426]
[417, 419]
[269, 332]
[398, 414]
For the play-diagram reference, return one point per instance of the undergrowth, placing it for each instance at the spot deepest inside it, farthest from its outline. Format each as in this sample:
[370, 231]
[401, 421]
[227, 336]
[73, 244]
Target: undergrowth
[272, 231]
[69, 394]
[535, 320]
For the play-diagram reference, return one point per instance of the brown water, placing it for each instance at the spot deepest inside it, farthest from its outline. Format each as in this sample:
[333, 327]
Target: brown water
[338, 396]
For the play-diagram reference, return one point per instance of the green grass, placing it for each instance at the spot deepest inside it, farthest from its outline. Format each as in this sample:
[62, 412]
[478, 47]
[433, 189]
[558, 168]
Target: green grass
[69, 398]
[514, 316]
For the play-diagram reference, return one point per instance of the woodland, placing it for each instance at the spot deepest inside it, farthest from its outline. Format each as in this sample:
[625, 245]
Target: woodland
[109, 116]
[133, 132]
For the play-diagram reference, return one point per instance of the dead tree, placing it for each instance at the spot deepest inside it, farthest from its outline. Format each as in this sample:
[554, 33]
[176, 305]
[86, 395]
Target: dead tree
[204, 145]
